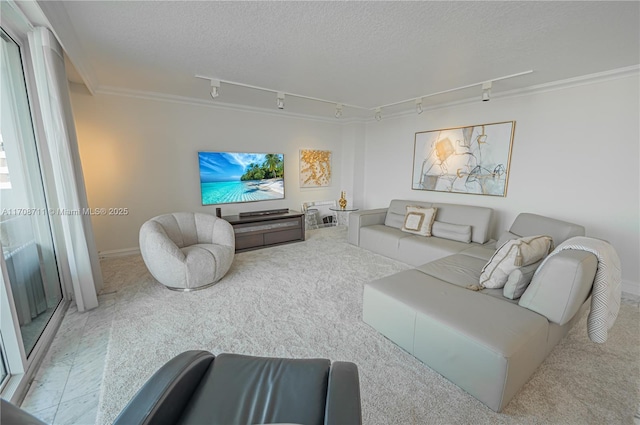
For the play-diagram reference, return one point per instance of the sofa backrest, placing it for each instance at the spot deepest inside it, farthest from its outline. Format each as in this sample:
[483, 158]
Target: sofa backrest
[398, 209]
[527, 224]
[479, 218]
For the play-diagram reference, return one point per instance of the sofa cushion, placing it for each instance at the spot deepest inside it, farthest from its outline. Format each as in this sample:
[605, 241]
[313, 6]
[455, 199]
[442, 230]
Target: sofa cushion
[418, 220]
[512, 255]
[455, 232]
[383, 239]
[456, 269]
[518, 280]
[417, 250]
[483, 252]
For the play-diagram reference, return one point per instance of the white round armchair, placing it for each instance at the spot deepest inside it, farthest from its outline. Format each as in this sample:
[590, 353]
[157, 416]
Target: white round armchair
[186, 251]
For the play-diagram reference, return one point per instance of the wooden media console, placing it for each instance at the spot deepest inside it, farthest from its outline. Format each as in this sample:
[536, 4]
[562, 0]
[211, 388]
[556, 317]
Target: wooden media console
[260, 231]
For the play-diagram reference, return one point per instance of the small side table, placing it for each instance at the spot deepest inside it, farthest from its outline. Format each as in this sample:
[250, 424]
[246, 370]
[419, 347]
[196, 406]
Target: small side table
[342, 215]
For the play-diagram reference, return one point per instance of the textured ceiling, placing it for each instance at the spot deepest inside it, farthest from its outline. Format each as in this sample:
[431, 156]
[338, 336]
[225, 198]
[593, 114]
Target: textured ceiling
[362, 53]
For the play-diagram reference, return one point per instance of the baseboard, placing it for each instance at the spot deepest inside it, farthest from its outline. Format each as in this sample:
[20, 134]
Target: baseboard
[630, 287]
[119, 253]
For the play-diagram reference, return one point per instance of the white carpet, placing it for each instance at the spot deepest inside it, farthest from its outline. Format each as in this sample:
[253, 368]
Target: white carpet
[305, 300]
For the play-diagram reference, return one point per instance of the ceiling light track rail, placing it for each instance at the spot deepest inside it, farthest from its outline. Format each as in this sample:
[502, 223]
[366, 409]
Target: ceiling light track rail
[280, 92]
[280, 95]
[481, 84]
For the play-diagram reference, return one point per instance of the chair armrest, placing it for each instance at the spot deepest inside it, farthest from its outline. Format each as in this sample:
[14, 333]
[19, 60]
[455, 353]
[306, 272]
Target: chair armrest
[154, 241]
[162, 399]
[343, 395]
[13, 415]
[358, 219]
[223, 233]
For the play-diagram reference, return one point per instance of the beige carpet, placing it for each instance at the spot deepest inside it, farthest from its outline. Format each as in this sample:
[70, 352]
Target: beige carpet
[305, 300]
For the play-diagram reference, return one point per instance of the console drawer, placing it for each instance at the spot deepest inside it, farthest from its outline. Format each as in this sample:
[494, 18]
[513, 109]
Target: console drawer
[282, 236]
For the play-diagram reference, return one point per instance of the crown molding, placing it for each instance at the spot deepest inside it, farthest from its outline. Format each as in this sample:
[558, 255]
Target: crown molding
[583, 80]
[610, 75]
[155, 96]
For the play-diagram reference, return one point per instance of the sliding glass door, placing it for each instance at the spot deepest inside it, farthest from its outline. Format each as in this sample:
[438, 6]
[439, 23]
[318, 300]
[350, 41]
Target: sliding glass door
[3, 370]
[29, 264]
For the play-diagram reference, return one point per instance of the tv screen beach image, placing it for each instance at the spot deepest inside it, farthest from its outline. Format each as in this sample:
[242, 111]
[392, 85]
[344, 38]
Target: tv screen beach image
[230, 177]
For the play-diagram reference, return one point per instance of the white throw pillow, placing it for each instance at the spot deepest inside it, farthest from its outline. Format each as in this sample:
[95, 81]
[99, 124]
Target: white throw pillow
[419, 220]
[512, 255]
[519, 280]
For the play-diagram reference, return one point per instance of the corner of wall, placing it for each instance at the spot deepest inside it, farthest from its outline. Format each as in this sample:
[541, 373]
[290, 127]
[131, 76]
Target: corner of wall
[632, 288]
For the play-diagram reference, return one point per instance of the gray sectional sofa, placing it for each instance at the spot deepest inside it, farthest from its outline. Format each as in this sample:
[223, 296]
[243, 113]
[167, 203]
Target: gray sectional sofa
[485, 343]
[379, 231]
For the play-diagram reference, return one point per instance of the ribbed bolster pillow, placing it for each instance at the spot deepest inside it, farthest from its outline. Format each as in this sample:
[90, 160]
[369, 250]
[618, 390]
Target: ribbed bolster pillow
[454, 232]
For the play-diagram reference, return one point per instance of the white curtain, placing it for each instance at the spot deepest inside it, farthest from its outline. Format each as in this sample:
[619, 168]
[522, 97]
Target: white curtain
[72, 229]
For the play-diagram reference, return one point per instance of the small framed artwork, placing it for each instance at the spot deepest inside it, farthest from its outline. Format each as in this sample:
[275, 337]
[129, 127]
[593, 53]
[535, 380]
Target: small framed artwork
[315, 168]
[472, 159]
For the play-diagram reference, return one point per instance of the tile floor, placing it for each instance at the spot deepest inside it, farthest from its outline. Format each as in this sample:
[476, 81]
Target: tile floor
[66, 389]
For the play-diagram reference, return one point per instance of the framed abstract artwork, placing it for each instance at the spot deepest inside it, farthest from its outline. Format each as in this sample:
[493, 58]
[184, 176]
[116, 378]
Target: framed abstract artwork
[472, 159]
[315, 168]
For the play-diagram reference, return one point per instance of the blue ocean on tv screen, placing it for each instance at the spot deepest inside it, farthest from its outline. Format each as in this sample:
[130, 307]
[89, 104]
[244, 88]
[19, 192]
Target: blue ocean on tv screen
[229, 177]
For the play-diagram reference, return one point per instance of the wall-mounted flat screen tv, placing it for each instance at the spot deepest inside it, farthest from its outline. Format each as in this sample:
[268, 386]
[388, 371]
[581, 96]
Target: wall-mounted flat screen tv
[230, 177]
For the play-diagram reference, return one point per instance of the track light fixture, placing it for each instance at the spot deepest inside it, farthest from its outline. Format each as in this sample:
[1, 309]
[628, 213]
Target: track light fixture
[486, 94]
[215, 88]
[280, 100]
[486, 91]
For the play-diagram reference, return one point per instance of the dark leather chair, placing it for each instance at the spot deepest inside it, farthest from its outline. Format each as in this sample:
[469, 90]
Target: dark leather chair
[197, 387]
[12, 415]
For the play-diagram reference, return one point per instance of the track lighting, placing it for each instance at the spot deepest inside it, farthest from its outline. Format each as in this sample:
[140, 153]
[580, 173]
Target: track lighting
[280, 100]
[486, 94]
[486, 91]
[215, 88]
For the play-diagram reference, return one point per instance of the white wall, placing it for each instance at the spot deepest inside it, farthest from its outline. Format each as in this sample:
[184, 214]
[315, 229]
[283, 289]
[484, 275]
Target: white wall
[353, 143]
[575, 157]
[141, 154]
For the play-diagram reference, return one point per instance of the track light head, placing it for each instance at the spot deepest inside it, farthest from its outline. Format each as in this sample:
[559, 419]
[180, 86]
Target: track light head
[378, 114]
[419, 106]
[280, 100]
[215, 88]
[486, 91]
[338, 110]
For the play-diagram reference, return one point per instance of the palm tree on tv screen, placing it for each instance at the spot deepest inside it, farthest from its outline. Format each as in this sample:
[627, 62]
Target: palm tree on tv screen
[271, 163]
